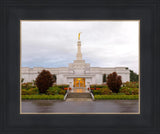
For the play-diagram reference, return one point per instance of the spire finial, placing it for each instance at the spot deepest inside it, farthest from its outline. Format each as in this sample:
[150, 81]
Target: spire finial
[79, 35]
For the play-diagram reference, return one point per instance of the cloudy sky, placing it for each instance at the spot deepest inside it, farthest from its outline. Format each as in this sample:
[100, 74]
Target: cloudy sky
[104, 43]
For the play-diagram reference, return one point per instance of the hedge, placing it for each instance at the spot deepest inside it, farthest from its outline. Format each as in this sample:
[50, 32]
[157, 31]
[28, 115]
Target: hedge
[62, 86]
[131, 84]
[27, 85]
[42, 97]
[31, 91]
[102, 91]
[98, 86]
[129, 91]
[116, 97]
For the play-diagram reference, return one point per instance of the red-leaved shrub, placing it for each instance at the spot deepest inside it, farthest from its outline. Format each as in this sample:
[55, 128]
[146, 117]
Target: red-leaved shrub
[44, 80]
[114, 82]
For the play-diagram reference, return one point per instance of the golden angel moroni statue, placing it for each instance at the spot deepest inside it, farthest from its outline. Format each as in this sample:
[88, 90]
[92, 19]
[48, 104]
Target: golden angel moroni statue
[79, 35]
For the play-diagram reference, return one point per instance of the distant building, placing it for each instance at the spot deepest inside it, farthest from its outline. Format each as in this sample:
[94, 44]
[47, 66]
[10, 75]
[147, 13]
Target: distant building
[78, 73]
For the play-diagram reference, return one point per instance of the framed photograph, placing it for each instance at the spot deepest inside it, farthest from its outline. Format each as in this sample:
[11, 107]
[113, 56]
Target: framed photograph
[79, 67]
[109, 84]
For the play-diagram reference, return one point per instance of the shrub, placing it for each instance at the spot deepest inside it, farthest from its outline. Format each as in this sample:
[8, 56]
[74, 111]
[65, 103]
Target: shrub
[105, 91]
[131, 84]
[53, 90]
[129, 91]
[22, 80]
[114, 82]
[31, 91]
[44, 81]
[96, 92]
[102, 91]
[62, 86]
[27, 85]
[94, 88]
[66, 88]
[133, 76]
[54, 78]
[98, 86]
[126, 90]
[104, 77]
[135, 91]
[63, 92]
[24, 92]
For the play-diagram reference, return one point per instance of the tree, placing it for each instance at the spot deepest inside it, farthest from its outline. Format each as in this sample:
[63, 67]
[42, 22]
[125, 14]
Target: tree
[133, 76]
[104, 77]
[44, 80]
[22, 80]
[54, 78]
[114, 82]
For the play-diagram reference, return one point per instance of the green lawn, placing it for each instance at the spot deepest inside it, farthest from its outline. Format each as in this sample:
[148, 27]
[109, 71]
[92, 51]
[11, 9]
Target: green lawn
[42, 97]
[116, 97]
[97, 97]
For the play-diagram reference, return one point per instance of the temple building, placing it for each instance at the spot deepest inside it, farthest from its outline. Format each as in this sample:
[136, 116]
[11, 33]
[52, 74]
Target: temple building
[77, 74]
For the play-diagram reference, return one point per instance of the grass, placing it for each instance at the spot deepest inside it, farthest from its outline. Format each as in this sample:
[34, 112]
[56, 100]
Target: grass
[116, 97]
[97, 97]
[42, 97]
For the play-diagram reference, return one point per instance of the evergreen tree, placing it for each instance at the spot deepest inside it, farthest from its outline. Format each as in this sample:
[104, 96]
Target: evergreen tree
[133, 76]
[54, 78]
[104, 78]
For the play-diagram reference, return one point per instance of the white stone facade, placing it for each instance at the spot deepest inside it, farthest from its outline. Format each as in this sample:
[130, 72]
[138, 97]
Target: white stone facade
[77, 69]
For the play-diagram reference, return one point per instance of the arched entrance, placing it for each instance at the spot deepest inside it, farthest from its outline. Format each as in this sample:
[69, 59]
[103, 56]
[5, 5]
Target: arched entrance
[79, 82]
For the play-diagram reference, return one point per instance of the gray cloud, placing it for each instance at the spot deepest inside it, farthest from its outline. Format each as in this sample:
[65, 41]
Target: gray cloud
[104, 43]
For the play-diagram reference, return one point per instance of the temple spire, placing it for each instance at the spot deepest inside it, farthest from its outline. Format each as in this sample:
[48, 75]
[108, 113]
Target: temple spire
[79, 35]
[79, 54]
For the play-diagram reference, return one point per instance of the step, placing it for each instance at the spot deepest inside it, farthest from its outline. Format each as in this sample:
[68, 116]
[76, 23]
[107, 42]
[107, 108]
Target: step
[79, 99]
[79, 90]
[79, 95]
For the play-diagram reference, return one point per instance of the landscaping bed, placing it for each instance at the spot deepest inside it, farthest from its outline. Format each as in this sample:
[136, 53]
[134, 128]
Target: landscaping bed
[31, 92]
[127, 91]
